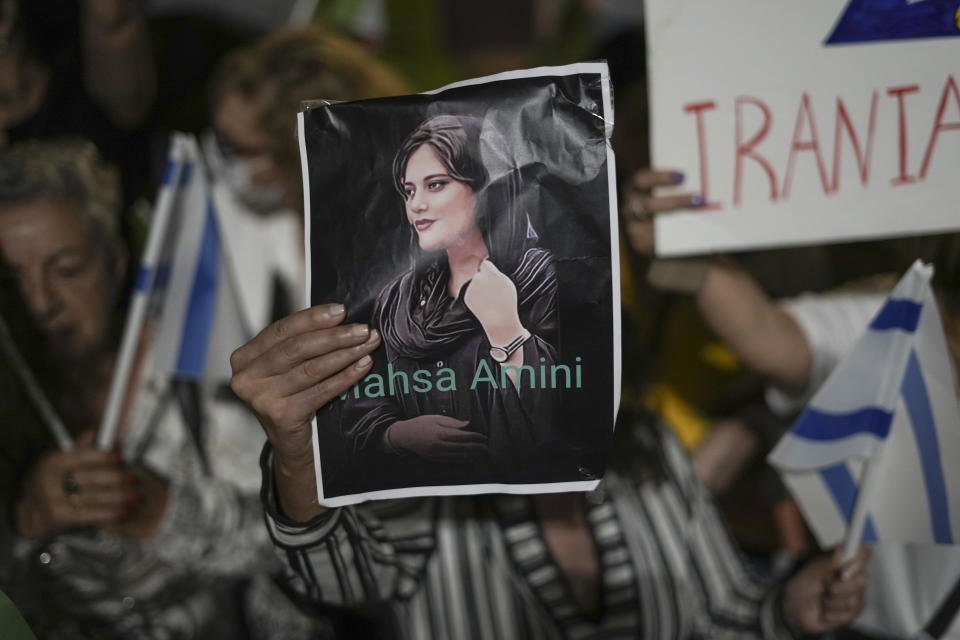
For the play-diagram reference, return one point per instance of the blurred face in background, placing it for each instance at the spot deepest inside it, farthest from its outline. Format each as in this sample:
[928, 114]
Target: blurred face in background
[239, 152]
[64, 276]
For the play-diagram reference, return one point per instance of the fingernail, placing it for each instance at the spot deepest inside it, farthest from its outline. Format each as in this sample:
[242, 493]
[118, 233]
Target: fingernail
[676, 177]
[363, 362]
[361, 330]
[336, 310]
[698, 200]
[374, 334]
[116, 456]
[134, 497]
[129, 481]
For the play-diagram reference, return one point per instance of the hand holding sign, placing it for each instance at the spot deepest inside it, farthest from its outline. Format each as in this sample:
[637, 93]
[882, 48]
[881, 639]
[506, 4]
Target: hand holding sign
[289, 371]
[640, 205]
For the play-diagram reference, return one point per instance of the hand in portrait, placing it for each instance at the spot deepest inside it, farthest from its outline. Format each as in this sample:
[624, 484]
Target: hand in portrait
[438, 438]
[492, 297]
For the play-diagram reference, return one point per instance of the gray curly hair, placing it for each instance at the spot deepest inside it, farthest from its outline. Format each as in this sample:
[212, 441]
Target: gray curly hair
[66, 170]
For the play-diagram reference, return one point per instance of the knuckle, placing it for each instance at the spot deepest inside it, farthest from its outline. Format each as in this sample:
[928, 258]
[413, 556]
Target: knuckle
[280, 328]
[312, 369]
[291, 348]
[236, 358]
[323, 391]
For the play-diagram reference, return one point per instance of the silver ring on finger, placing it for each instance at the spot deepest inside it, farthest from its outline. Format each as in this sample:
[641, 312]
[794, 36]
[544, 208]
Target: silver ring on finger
[70, 486]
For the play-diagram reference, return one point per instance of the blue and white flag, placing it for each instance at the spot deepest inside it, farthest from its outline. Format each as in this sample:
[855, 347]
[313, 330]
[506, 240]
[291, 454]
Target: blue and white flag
[872, 457]
[183, 318]
[195, 315]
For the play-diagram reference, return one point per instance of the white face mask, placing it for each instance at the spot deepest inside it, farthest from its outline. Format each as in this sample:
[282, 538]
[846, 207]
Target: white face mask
[235, 172]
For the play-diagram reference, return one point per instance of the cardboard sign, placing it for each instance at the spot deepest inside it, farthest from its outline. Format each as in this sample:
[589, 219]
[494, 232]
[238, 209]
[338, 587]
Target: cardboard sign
[806, 122]
[475, 229]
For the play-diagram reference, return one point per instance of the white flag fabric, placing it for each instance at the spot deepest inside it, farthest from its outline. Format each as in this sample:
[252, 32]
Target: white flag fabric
[196, 318]
[891, 407]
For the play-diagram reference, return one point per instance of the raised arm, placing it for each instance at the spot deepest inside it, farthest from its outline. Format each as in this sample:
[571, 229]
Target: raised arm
[338, 556]
[764, 336]
[733, 305]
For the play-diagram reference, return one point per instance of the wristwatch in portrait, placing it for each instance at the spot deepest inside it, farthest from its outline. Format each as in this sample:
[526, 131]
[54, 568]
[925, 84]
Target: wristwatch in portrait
[502, 354]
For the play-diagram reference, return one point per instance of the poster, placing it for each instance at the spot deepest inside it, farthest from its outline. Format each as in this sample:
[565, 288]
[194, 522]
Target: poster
[475, 228]
[806, 122]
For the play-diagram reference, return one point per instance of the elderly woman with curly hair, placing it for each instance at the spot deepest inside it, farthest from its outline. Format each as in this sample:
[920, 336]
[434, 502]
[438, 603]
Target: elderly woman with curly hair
[162, 537]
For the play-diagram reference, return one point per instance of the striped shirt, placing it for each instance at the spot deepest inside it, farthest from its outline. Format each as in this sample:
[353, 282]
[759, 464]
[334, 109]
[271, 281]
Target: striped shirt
[479, 568]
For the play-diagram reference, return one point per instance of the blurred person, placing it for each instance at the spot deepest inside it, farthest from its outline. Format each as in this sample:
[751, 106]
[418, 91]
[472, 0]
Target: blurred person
[645, 557]
[163, 536]
[78, 69]
[795, 345]
[254, 156]
[257, 92]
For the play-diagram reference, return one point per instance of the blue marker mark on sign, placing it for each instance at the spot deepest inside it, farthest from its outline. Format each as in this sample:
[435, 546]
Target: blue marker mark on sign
[879, 20]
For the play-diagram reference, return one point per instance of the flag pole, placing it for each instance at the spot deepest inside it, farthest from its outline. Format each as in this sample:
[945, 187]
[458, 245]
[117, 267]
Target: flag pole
[47, 413]
[861, 510]
[141, 295]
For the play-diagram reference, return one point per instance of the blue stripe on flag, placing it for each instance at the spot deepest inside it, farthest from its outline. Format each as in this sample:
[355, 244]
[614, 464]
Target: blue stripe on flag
[869, 532]
[168, 173]
[844, 491]
[203, 297]
[162, 277]
[897, 314]
[186, 174]
[840, 482]
[914, 393]
[143, 278]
[820, 425]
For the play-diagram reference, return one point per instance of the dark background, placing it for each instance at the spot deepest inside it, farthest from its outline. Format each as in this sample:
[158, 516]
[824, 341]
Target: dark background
[360, 240]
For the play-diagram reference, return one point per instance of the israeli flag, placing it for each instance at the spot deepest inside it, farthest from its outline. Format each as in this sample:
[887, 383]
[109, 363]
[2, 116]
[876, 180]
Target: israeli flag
[195, 315]
[183, 318]
[873, 456]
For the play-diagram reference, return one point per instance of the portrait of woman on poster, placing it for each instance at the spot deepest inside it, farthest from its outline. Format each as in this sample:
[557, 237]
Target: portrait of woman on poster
[480, 296]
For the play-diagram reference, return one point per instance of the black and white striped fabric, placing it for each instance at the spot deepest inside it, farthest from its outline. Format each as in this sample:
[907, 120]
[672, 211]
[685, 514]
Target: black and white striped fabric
[478, 567]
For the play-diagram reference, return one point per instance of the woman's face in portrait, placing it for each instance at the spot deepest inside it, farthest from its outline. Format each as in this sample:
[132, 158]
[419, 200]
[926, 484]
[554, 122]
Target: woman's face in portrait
[62, 275]
[439, 208]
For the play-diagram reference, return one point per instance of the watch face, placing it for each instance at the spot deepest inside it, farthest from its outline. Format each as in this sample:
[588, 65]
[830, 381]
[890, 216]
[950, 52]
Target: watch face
[499, 354]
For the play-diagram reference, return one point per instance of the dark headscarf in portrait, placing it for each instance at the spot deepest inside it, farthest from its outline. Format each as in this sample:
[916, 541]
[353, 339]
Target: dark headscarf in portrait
[417, 317]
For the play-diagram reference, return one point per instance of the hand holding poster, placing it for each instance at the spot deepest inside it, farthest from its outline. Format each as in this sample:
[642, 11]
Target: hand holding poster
[474, 228]
[805, 122]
